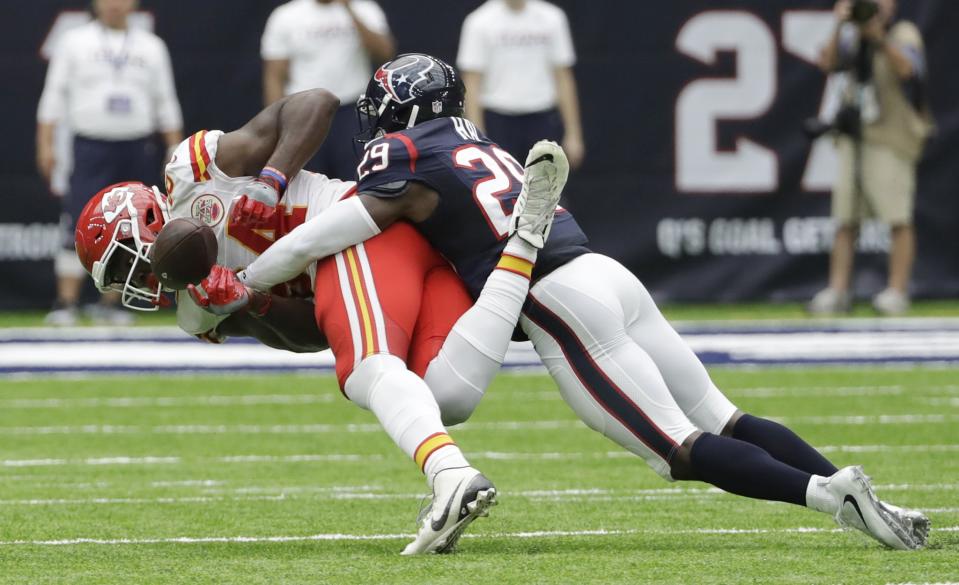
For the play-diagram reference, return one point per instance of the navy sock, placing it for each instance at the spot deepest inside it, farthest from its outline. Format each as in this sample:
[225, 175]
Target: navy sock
[744, 469]
[783, 444]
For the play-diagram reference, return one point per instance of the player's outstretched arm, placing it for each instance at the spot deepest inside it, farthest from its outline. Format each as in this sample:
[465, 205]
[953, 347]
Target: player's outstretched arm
[283, 136]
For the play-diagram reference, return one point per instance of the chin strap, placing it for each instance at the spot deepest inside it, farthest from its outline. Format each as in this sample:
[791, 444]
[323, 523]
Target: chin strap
[414, 112]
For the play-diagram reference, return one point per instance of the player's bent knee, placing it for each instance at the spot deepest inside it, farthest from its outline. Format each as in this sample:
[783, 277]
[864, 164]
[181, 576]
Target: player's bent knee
[457, 409]
[360, 385]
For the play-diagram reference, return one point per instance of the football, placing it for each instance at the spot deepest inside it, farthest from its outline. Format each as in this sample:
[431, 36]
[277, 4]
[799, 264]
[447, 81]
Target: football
[184, 252]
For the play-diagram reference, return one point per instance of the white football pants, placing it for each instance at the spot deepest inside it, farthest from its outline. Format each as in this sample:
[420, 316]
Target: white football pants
[618, 362]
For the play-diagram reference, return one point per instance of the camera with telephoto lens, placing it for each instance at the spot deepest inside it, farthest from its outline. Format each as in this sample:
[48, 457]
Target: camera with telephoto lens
[863, 10]
[848, 121]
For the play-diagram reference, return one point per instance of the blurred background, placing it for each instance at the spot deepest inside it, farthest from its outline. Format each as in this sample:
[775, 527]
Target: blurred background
[697, 174]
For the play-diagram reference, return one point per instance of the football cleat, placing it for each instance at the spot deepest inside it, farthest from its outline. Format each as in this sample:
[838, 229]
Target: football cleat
[917, 522]
[546, 172]
[859, 508]
[460, 496]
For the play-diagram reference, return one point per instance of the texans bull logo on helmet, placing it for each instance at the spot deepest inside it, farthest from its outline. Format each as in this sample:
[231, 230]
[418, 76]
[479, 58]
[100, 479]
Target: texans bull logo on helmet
[115, 202]
[409, 90]
[402, 78]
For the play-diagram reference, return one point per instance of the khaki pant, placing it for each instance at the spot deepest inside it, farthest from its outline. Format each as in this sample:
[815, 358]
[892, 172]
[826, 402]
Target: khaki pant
[888, 186]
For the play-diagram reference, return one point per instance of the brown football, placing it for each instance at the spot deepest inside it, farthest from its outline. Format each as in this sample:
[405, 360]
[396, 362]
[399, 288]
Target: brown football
[184, 252]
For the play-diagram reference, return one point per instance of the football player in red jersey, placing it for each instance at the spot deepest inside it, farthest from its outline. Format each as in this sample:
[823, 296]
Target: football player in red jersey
[380, 305]
[616, 360]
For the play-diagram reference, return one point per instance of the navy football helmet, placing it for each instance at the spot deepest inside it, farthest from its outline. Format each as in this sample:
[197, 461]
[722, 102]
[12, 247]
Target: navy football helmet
[406, 91]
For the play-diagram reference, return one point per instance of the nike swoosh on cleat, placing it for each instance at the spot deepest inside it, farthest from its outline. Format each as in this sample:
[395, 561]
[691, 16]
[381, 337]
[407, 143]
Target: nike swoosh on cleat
[545, 157]
[438, 525]
[851, 500]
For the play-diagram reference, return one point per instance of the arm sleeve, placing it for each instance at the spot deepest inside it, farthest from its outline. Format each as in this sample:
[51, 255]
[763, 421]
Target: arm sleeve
[471, 55]
[169, 115]
[53, 101]
[563, 53]
[274, 45]
[344, 224]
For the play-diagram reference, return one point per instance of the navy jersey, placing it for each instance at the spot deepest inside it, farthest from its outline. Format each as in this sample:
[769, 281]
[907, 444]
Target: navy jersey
[478, 183]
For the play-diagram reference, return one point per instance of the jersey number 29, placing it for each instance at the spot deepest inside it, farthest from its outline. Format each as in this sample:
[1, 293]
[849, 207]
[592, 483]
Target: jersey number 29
[494, 192]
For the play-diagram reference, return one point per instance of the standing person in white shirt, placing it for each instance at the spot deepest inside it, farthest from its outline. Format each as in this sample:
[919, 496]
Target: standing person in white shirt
[516, 58]
[113, 87]
[330, 44]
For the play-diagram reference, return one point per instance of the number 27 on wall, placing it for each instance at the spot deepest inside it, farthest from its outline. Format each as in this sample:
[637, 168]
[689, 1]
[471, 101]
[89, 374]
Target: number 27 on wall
[749, 167]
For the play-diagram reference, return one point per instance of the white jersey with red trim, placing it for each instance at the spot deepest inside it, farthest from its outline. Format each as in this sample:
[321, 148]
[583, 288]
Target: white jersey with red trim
[197, 188]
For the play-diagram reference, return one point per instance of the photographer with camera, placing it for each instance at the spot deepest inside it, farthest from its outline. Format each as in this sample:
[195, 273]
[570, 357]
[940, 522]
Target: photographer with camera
[880, 131]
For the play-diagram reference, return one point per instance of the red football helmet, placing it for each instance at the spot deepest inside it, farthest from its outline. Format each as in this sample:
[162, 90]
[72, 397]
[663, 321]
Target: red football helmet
[124, 217]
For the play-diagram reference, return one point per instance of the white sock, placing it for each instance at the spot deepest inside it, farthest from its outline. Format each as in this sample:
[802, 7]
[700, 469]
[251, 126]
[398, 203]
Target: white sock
[407, 411]
[446, 457]
[520, 248]
[476, 346]
[818, 496]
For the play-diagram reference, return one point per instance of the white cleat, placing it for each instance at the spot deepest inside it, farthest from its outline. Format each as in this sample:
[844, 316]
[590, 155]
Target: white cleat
[914, 520]
[460, 496]
[546, 172]
[859, 508]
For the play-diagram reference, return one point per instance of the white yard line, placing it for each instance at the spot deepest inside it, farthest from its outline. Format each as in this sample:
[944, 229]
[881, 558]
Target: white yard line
[308, 458]
[548, 394]
[165, 401]
[368, 537]
[122, 460]
[115, 501]
[542, 425]
[356, 457]
[940, 401]
[888, 448]
[189, 483]
[293, 493]
[267, 429]
[871, 419]
[817, 391]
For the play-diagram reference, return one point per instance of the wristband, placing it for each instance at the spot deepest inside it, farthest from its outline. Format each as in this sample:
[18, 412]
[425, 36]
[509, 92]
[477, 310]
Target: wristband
[275, 178]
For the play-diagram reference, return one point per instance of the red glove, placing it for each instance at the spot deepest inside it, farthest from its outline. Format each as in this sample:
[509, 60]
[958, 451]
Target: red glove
[221, 293]
[252, 213]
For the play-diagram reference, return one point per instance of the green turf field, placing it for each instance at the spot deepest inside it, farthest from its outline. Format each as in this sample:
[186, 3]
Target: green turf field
[153, 460]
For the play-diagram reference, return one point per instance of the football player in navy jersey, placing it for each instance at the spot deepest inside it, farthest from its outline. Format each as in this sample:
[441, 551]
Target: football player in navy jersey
[616, 360]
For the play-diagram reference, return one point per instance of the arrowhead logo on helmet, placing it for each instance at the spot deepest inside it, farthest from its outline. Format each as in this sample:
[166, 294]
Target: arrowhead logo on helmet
[114, 235]
[114, 202]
